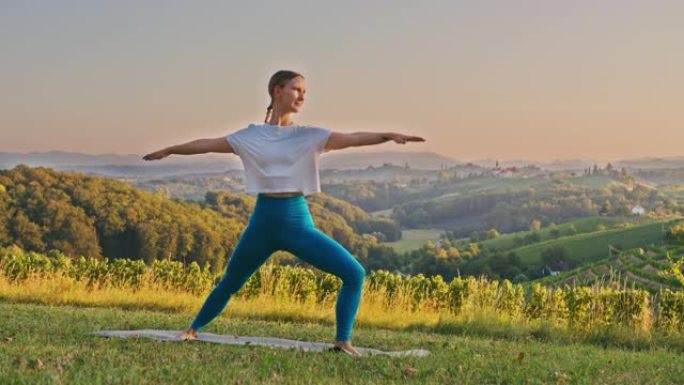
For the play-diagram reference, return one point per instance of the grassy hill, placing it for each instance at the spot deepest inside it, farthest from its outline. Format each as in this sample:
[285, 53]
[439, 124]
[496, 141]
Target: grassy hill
[582, 225]
[592, 246]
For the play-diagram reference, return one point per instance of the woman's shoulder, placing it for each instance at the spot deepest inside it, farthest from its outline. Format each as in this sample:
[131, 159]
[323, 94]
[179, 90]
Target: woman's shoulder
[313, 128]
[248, 128]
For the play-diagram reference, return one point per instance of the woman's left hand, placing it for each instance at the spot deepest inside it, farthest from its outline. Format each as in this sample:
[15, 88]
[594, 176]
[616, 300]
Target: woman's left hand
[400, 138]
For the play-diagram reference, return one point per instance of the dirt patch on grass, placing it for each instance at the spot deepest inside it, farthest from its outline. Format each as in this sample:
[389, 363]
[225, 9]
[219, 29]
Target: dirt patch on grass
[648, 268]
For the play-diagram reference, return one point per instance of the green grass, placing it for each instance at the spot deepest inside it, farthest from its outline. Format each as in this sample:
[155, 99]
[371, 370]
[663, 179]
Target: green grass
[414, 239]
[387, 213]
[592, 246]
[47, 344]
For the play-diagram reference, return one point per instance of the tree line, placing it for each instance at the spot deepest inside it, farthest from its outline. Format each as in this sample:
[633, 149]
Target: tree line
[42, 209]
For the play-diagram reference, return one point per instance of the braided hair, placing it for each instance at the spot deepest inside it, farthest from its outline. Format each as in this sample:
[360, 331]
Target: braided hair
[278, 79]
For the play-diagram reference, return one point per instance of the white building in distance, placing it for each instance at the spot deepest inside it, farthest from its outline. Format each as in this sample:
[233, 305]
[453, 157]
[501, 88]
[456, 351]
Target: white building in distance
[638, 210]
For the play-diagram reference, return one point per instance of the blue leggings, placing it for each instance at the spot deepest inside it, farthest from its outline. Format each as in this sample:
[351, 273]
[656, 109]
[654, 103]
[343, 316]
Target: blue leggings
[285, 223]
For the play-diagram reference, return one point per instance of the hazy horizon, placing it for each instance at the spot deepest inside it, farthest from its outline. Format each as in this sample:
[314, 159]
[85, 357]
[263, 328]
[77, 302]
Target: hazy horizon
[538, 81]
[352, 151]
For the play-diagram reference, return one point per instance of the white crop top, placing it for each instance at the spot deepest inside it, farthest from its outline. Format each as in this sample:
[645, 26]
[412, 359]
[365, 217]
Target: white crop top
[280, 158]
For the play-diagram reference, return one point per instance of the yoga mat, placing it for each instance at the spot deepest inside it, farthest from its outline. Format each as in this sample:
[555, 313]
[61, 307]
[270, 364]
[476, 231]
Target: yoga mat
[169, 335]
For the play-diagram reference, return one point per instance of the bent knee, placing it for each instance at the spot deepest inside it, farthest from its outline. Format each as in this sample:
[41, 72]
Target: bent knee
[356, 275]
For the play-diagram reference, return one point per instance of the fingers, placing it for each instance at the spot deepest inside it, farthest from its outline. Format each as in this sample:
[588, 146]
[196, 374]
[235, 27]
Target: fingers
[403, 139]
[155, 155]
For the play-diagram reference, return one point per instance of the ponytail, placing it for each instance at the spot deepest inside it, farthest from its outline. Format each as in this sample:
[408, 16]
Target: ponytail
[268, 112]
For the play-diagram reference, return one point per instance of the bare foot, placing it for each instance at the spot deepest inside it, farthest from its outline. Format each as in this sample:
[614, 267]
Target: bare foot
[346, 347]
[188, 334]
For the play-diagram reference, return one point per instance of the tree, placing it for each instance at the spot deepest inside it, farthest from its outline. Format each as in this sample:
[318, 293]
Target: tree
[518, 241]
[676, 232]
[519, 278]
[535, 225]
[26, 233]
[606, 208]
[553, 230]
[532, 237]
[492, 234]
[554, 254]
[624, 210]
[623, 174]
[453, 252]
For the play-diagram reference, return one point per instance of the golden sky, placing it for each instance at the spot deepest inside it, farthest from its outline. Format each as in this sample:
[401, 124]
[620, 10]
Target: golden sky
[537, 80]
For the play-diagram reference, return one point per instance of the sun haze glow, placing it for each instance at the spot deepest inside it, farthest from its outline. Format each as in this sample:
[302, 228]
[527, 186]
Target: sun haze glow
[493, 79]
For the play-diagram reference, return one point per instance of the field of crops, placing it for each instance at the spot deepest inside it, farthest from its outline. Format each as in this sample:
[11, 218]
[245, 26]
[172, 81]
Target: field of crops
[579, 308]
[640, 268]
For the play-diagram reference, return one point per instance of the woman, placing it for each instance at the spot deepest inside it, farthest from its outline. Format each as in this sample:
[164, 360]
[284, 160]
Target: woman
[280, 159]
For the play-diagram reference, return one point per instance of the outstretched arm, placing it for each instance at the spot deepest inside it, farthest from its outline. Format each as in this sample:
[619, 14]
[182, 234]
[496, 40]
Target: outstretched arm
[199, 146]
[339, 140]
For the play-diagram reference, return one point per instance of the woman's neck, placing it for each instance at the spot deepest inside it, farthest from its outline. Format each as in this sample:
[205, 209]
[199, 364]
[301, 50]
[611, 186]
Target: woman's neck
[280, 119]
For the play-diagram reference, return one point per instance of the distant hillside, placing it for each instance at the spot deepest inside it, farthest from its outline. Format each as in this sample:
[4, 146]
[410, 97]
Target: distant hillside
[524, 255]
[134, 165]
[592, 246]
[652, 162]
[350, 159]
[553, 165]
[511, 203]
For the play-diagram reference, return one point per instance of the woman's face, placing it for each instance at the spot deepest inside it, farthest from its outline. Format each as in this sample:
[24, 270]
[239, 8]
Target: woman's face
[290, 97]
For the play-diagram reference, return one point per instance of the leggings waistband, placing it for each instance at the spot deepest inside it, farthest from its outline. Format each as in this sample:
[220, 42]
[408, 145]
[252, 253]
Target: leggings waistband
[292, 210]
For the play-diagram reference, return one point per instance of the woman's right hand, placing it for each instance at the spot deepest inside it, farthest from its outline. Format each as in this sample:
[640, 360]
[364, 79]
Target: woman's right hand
[157, 154]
